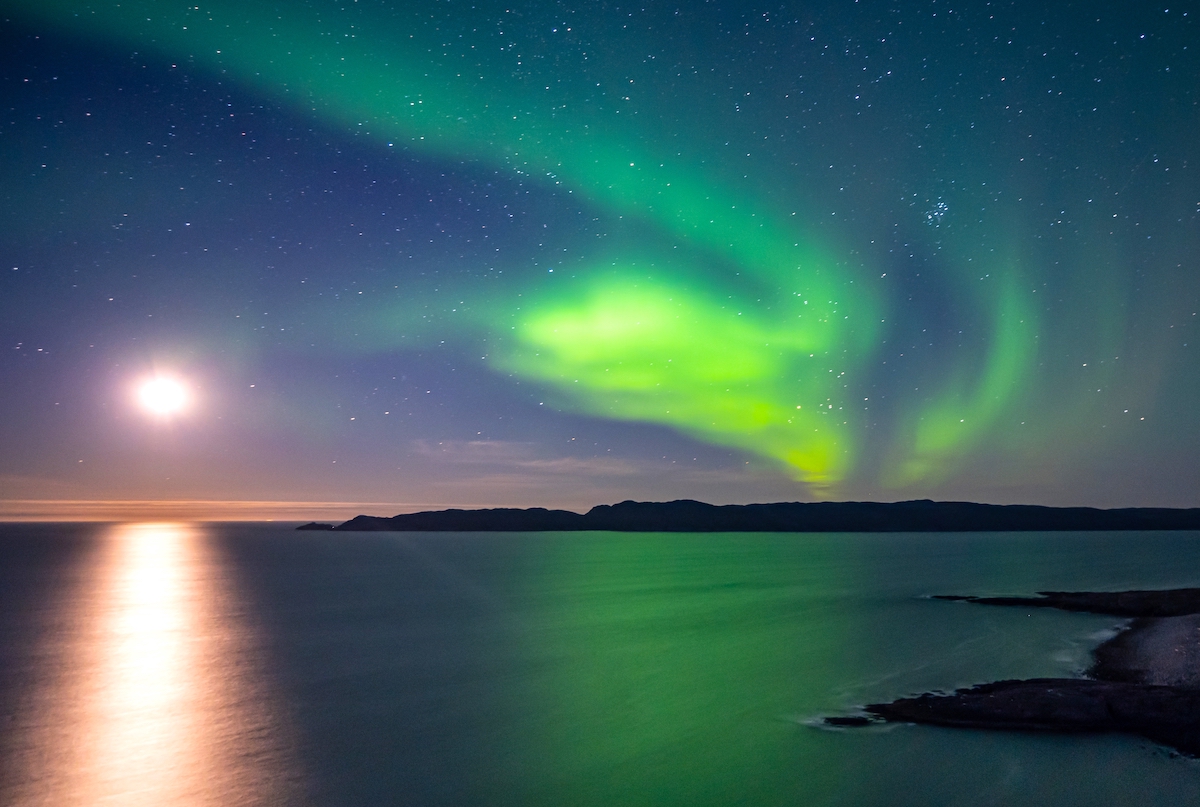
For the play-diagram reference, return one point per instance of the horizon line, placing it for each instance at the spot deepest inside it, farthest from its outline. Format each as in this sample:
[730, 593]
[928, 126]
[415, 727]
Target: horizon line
[24, 510]
[217, 510]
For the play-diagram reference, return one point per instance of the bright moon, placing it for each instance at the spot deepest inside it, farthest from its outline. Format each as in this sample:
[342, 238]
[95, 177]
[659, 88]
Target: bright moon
[163, 397]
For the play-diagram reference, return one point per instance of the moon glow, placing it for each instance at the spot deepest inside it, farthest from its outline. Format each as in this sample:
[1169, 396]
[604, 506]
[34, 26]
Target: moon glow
[163, 396]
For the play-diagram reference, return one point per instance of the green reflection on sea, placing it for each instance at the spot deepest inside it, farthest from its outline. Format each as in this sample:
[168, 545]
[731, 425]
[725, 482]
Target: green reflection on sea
[685, 669]
[671, 667]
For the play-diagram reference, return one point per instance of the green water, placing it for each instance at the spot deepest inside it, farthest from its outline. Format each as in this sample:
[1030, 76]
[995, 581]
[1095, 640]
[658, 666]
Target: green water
[694, 669]
[565, 668]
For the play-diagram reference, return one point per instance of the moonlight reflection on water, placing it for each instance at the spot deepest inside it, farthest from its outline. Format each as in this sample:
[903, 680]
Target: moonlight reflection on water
[156, 699]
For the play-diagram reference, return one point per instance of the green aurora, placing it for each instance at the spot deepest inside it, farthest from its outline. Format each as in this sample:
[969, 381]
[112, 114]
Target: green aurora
[738, 328]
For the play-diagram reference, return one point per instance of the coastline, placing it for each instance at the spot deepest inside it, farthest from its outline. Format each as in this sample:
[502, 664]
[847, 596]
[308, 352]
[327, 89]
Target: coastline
[687, 515]
[1143, 681]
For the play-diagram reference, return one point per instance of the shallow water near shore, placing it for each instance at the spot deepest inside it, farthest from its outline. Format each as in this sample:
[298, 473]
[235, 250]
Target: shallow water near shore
[252, 664]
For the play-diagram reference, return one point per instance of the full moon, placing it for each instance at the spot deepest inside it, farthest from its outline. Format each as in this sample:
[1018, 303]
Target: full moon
[162, 396]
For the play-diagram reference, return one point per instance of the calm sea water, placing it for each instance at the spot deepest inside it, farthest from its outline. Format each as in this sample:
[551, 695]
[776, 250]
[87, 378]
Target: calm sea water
[253, 665]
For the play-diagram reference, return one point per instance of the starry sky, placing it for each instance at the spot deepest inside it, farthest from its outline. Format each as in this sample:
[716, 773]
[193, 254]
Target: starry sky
[448, 253]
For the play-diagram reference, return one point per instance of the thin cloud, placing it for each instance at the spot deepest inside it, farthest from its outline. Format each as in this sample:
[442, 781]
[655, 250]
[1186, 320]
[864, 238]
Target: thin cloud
[192, 510]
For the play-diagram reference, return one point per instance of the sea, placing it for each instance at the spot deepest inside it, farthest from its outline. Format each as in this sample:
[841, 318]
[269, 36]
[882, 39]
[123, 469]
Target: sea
[252, 664]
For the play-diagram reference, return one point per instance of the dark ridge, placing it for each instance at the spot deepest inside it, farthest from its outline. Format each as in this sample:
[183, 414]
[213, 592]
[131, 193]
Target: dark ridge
[1173, 602]
[692, 516]
[505, 519]
[313, 525]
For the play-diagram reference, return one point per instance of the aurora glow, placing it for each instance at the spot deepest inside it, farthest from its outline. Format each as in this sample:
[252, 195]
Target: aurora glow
[289, 57]
[744, 272]
[660, 354]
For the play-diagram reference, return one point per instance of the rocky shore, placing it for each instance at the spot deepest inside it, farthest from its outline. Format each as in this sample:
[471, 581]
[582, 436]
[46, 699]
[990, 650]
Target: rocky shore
[1144, 681]
[1165, 714]
[1171, 602]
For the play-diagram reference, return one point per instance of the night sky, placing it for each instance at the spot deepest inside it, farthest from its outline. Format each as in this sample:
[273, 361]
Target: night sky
[559, 254]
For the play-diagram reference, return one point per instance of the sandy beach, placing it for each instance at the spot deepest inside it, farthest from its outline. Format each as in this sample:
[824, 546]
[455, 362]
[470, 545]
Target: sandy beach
[1160, 652]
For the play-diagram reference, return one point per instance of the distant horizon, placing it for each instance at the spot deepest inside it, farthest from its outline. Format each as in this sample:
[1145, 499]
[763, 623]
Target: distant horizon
[49, 510]
[225, 510]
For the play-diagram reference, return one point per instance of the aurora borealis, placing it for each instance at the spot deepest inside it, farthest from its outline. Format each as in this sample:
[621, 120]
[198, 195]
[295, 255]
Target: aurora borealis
[442, 253]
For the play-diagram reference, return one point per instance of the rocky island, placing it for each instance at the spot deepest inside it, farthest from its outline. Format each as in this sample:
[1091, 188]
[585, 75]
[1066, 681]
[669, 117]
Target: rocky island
[687, 515]
[1145, 680]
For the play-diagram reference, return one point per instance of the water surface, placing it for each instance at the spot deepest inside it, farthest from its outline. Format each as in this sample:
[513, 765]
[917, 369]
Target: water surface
[251, 664]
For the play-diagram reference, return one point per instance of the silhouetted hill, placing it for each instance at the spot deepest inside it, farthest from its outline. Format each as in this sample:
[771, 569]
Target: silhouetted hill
[687, 515]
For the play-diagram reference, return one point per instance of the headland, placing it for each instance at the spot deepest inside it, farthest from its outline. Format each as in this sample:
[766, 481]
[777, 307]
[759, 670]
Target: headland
[1144, 681]
[687, 515]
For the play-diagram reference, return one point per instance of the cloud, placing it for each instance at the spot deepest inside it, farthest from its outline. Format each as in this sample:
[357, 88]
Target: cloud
[518, 474]
[191, 510]
[475, 451]
[524, 457]
[33, 487]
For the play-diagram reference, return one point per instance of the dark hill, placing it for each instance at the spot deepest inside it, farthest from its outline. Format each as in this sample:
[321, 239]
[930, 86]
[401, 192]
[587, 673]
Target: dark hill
[687, 515]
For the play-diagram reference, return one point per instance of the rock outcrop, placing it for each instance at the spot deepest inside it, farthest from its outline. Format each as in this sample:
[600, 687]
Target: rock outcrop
[1145, 680]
